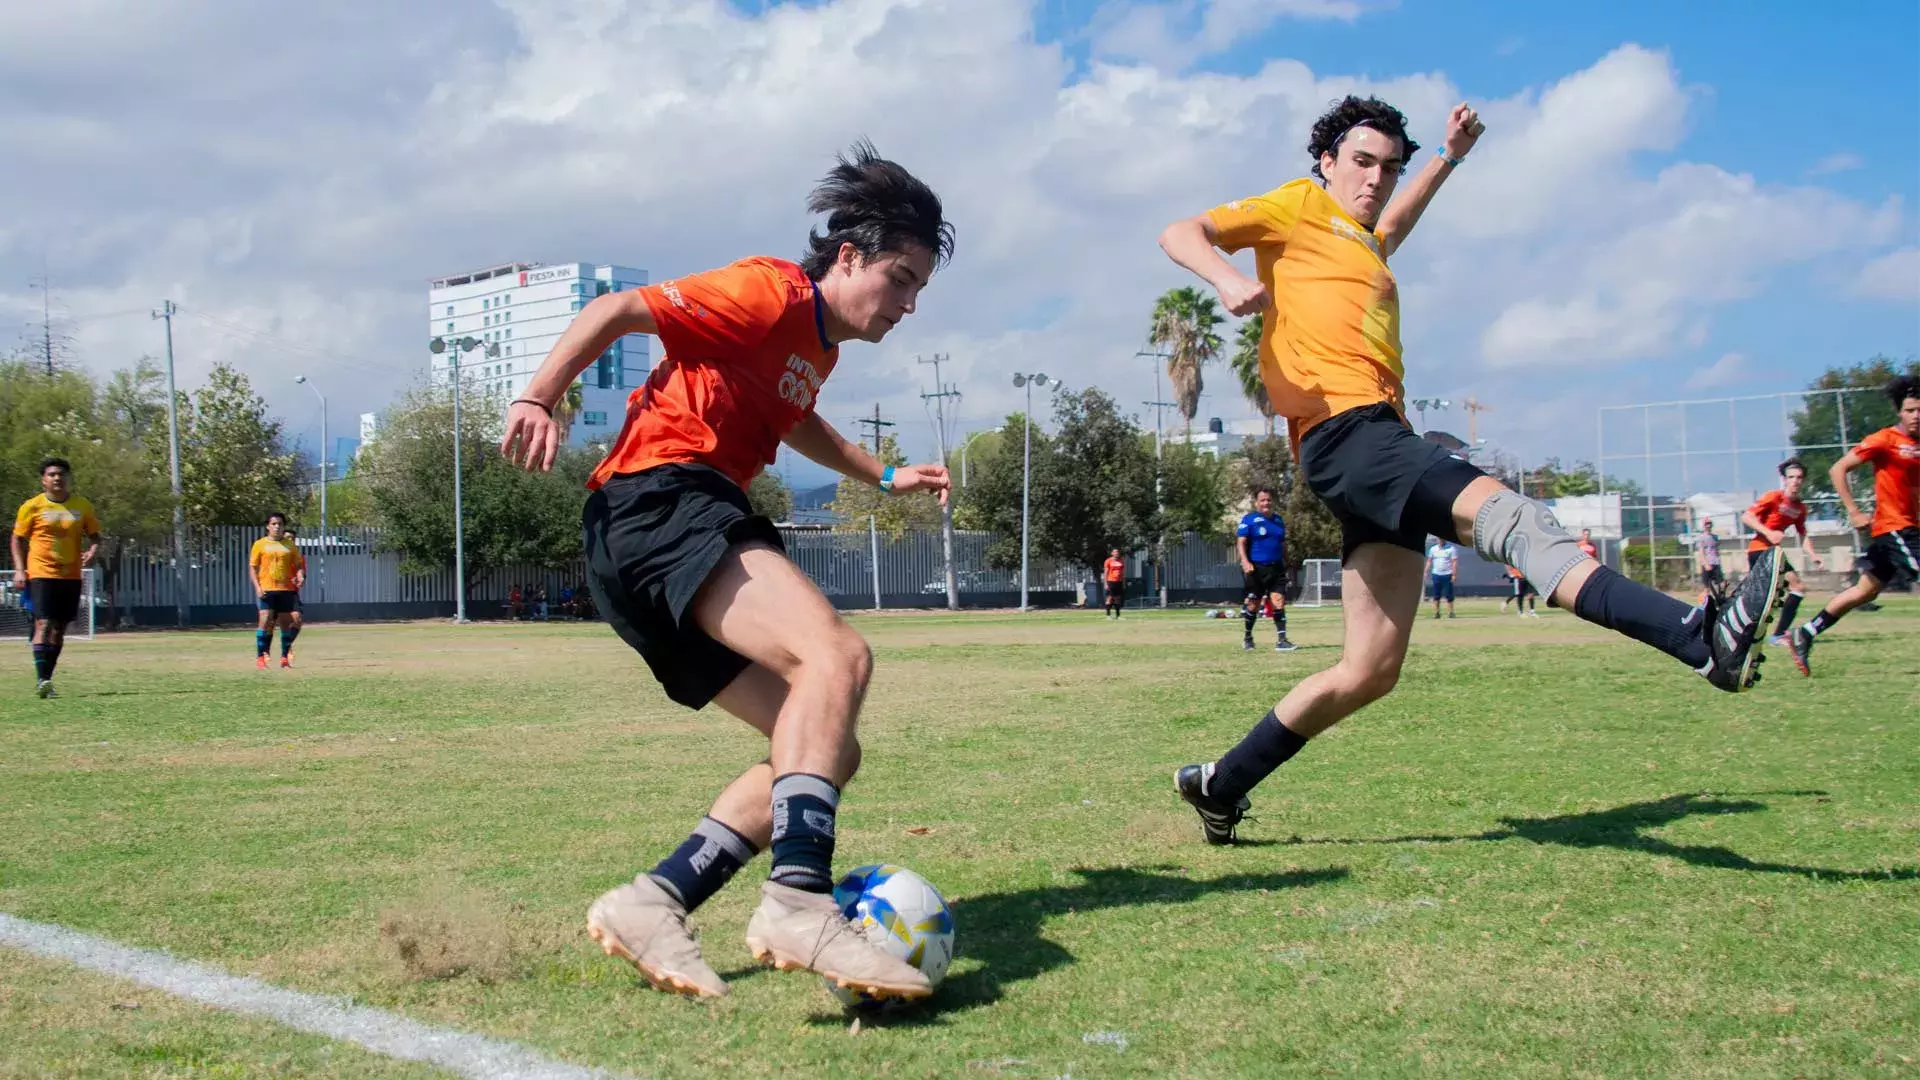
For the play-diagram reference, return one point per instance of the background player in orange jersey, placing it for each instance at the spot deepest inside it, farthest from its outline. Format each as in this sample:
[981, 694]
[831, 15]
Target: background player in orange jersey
[279, 570]
[1770, 517]
[701, 586]
[1115, 572]
[1330, 357]
[1894, 554]
[55, 536]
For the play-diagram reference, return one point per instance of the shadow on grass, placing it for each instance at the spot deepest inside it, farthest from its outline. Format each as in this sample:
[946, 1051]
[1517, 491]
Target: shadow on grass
[1003, 930]
[1621, 828]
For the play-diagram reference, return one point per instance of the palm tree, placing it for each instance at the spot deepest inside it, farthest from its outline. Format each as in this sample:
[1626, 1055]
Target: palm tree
[1246, 366]
[1184, 324]
[567, 409]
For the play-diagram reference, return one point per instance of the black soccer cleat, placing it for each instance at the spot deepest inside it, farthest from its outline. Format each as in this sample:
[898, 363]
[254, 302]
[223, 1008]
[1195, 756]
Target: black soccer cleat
[1735, 625]
[1217, 817]
[1283, 645]
[1800, 644]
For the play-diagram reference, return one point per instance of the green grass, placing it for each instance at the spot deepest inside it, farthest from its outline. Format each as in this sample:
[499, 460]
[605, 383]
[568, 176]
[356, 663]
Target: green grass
[1550, 853]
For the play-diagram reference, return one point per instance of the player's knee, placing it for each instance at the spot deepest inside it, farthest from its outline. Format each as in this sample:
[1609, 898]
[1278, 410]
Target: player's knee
[845, 652]
[1364, 684]
[1513, 529]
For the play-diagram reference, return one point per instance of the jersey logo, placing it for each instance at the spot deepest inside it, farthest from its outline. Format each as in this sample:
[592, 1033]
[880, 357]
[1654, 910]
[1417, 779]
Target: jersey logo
[800, 383]
[1341, 227]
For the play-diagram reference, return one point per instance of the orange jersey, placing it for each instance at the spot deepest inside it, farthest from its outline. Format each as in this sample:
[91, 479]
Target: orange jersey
[1589, 549]
[1332, 339]
[1895, 457]
[746, 351]
[1116, 569]
[276, 564]
[1779, 513]
[53, 532]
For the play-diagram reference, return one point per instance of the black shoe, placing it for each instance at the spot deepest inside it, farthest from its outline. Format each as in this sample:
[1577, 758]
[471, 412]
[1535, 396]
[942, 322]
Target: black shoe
[1800, 644]
[1247, 644]
[1283, 645]
[1217, 817]
[1735, 625]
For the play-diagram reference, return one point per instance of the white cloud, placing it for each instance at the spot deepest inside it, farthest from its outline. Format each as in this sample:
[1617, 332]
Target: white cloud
[1172, 35]
[1836, 163]
[1894, 276]
[1730, 368]
[304, 171]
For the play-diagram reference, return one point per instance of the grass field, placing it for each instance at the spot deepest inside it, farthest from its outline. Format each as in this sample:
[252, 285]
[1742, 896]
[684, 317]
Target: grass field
[1548, 854]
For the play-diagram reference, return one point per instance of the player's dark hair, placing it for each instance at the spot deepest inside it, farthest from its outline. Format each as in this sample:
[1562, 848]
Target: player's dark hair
[1793, 463]
[1264, 490]
[277, 515]
[1902, 388]
[876, 206]
[1351, 112]
[53, 462]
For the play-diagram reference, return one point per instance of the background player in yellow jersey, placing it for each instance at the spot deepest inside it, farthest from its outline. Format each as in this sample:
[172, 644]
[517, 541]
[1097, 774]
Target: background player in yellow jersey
[55, 535]
[278, 572]
[1331, 360]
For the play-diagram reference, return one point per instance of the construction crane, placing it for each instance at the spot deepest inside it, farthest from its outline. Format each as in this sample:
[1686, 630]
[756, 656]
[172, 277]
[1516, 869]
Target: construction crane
[1474, 409]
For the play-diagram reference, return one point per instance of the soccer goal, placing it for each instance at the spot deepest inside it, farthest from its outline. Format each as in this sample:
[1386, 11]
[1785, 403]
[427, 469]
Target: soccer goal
[1319, 583]
[16, 610]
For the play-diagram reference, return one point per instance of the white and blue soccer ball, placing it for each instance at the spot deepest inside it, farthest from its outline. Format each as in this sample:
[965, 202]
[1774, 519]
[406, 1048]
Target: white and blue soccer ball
[901, 913]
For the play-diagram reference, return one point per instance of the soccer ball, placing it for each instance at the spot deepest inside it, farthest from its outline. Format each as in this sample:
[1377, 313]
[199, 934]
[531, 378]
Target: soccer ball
[902, 914]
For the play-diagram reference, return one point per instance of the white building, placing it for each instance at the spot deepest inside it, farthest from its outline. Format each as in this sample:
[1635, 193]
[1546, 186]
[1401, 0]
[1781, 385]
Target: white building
[1220, 438]
[519, 310]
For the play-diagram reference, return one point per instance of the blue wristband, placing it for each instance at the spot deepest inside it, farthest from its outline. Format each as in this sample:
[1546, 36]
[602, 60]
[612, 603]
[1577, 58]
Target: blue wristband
[1455, 161]
[886, 479]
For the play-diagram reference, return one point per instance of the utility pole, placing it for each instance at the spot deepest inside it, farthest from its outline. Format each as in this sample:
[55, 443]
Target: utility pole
[876, 424]
[166, 312]
[873, 520]
[1159, 501]
[939, 397]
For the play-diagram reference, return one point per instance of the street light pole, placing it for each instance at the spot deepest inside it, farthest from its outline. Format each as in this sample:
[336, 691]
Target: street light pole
[1026, 473]
[167, 310]
[967, 444]
[323, 482]
[453, 348]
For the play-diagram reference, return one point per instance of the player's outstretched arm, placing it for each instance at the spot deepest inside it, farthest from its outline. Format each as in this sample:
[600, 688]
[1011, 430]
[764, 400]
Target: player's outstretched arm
[532, 438]
[1848, 462]
[1463, 130]
[1194, 244]
[818, 442]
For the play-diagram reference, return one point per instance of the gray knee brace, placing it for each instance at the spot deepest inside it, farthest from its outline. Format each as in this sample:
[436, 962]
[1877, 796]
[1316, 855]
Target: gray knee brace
[1519, 532]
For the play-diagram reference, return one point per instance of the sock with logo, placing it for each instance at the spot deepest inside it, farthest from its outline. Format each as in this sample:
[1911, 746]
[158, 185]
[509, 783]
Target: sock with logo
[707, 860]
[1645, 615]
[803, 813]
[1820, 623]
[1250, 616]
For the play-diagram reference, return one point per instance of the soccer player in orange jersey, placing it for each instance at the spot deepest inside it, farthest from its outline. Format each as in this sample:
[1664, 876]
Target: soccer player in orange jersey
[1330, 356]
[701, 586]
[1770, 517]
[279, 570]
[1116, 575]
[1894, 554]
[55, 536]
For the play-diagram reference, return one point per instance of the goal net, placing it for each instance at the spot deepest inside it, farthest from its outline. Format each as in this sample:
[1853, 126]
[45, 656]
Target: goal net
[16, 610]
[1319, 583]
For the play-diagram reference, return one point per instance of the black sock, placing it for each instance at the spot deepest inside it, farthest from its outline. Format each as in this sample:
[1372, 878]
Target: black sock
[1280, 622]
[1266, 748]
[41, 669]
[1249, 616]
[287, 634]
[1821, 623]
[262, 642]
[1788, 609]
[1645, 615]
[803, 809]
[707, 860]
[53, 656]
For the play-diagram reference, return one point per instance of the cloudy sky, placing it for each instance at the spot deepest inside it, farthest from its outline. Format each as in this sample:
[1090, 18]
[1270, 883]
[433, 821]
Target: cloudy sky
[1672, 200]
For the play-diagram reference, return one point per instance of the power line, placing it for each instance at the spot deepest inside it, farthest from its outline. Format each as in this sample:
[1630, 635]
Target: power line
[875, 424]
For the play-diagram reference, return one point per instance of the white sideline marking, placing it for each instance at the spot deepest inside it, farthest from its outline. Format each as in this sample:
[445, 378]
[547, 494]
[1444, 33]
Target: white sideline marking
[474, 1056]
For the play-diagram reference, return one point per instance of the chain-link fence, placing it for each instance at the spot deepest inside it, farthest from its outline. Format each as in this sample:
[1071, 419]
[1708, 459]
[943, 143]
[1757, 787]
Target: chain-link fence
[1668, 469]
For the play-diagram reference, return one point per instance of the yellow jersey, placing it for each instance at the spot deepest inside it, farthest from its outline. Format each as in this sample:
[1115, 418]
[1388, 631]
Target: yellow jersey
[1332, 340]
[276, 564]
[55, 533]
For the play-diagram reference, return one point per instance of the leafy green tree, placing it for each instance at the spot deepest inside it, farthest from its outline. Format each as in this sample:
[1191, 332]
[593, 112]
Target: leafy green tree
[1098, 493]
[235, 464]
[1246, 367]
[1817, 426]
[1312, 531]
[1194, 491]
[1186, 324]
[769, 497]
[992, 500]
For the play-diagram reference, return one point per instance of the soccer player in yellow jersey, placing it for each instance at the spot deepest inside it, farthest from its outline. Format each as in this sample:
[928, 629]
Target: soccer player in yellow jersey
[55, 535]
[1330, 358]
[278, 572]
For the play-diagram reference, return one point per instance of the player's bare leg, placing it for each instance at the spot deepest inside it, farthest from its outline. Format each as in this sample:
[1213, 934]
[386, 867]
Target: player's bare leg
[1801, 638]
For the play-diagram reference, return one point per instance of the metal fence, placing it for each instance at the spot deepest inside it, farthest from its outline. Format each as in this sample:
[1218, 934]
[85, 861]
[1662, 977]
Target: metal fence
[349, 576]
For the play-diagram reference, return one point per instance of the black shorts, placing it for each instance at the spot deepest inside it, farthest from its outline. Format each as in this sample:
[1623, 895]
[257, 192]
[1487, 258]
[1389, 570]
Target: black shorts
[1713, 578]
[1893, 558]
[1370, 469]
[652, 538]
[1522, 588]
[280, 601]
[1116, 592]
[57, 600]
[1440, 587]
[1265, 579]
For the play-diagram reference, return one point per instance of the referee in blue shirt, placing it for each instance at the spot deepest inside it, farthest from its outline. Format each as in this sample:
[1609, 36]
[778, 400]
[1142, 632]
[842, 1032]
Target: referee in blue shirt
[1262, 540]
